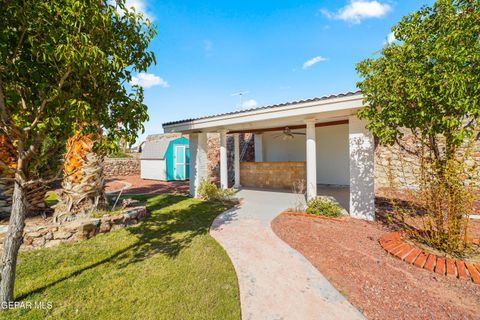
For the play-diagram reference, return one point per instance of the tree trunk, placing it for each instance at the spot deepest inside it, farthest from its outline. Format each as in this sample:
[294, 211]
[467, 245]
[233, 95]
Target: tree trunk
[12, 244]
[34, 195]
[83, 187]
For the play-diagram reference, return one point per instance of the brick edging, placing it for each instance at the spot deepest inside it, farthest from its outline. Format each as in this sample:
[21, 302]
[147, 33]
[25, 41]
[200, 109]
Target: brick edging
[302, 214]
[394, 244]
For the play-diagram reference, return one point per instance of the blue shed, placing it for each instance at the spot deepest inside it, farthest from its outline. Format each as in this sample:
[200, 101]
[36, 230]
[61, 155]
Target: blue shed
[165, 159]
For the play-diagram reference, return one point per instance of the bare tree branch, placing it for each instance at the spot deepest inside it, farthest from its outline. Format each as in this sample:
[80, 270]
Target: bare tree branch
[20, 41]
[404, 148]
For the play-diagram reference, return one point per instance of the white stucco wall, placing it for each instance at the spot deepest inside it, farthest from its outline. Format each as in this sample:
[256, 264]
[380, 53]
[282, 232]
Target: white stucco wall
[362, 184]
[277, 149]
[153, 169]
[333, 160]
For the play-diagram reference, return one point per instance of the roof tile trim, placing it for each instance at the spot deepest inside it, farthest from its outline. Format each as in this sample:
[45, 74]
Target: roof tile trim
[341, 95]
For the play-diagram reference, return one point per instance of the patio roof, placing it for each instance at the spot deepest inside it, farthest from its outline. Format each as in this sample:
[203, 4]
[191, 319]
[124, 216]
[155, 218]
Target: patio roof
[332, 107]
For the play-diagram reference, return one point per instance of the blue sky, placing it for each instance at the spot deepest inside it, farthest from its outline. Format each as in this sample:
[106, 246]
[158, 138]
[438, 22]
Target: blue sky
[276, 50]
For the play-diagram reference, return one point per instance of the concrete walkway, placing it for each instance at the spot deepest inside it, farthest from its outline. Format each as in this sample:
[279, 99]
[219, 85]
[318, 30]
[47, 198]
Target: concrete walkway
[276, 282]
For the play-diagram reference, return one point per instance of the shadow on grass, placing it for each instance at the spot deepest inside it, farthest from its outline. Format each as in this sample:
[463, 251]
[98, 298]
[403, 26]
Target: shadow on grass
[170, 231]
[174, 223]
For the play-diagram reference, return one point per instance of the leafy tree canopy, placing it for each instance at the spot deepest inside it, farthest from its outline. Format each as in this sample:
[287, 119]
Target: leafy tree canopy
[428, 80]
[65, 66]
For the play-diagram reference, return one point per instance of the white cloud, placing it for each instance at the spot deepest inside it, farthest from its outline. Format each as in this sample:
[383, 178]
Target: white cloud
[358, 10]
[249, 104]
[391, 38]
[307, 64]
[139, 6]
[148, 80]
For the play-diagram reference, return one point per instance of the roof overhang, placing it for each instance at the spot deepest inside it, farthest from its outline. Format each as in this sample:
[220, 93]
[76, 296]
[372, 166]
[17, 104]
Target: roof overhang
[329, 109]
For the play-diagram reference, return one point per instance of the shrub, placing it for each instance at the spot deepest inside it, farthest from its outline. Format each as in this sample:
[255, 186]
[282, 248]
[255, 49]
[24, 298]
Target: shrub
[207, 190]
[443, 200]
[323, 207]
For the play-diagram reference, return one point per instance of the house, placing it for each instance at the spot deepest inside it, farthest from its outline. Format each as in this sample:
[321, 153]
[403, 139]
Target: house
[319, 140]
[165, 158]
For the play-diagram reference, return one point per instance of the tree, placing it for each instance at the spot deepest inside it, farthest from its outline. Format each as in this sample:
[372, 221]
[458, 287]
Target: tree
[83, 185]
[64, 66]
[427, 82]
[35, 193]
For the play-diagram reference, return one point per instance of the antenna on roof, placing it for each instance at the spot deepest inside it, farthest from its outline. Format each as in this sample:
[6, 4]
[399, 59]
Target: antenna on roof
[241, 94]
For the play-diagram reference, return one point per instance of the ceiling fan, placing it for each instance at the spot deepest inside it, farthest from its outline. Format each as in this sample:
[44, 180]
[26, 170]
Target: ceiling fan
[288, 134]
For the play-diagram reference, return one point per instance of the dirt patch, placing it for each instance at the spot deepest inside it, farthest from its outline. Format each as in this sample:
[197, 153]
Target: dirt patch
[142, 186]
[381, 286]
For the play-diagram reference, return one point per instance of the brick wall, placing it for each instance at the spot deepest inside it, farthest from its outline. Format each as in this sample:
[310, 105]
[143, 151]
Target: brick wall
[275, 175]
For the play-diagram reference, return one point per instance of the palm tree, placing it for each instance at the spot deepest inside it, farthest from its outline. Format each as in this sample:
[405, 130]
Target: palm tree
[83, 185]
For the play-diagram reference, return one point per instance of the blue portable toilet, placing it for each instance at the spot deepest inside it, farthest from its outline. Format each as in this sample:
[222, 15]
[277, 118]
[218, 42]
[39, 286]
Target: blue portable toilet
[165, 159]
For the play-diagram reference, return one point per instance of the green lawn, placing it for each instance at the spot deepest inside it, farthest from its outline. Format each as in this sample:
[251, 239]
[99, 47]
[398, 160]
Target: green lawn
[167, 267]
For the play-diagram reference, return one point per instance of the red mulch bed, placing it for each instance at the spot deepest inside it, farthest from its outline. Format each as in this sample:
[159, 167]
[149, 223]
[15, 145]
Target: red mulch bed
[378, 284]
[142, 186]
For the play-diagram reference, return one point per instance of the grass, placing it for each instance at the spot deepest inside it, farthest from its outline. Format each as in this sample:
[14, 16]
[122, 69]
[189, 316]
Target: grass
[167, 267]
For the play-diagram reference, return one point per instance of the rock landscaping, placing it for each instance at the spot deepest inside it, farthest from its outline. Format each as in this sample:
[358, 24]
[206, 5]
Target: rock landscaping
[121, 167]
[52, 234]
[306, 215]
[380, 285]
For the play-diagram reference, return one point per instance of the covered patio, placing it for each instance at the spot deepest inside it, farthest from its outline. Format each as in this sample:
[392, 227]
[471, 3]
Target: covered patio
[319, 142]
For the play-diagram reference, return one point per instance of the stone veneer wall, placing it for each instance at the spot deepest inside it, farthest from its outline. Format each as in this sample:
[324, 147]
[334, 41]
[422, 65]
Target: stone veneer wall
[213, 143]
[121, 167]
[394, 164]
[275, 175]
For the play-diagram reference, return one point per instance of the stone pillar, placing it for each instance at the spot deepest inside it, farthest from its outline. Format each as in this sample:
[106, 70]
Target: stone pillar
[362, 194]
[223, 160]
[311, 160]
[236, 159]
[258, 141]
[198, 160]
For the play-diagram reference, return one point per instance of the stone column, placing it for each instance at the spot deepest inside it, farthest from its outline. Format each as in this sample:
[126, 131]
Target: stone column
[236, 159]
[198, 161]
[223, 160]
[311, 160]
[362, 194]
[258, 141]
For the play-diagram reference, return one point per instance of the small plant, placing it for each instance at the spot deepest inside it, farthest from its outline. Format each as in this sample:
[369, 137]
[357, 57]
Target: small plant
[320, 206]
[207, 190]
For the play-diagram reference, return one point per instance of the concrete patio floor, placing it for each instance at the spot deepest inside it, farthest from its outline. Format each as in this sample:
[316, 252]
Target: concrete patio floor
[340, 193]
[276, 282]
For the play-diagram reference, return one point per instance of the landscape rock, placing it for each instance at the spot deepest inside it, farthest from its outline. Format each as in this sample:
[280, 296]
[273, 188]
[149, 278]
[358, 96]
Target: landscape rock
[53, 234]
[115, 167]
[62, 235]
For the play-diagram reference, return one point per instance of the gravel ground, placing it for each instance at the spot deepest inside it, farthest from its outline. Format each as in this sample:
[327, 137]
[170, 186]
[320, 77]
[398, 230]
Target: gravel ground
[142, 186]
[381, 286]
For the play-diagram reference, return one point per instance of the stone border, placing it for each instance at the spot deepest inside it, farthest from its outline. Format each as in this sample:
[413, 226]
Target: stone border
[394, 244]
[53, 234]
[303, 214]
